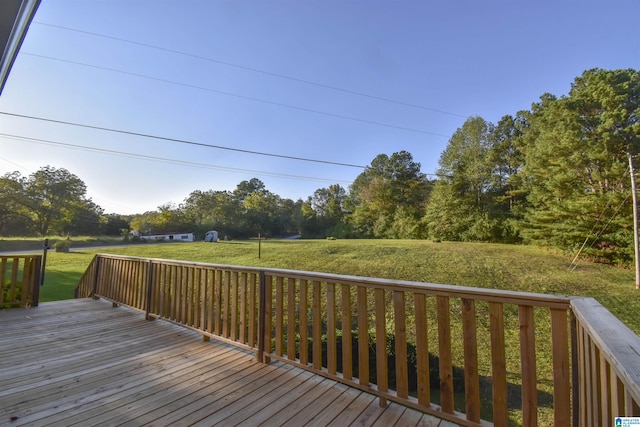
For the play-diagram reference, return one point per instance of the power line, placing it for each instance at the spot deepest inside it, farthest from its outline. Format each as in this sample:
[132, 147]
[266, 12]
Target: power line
[163, 159]
[181, 141]
[264, 101]
[256, 70]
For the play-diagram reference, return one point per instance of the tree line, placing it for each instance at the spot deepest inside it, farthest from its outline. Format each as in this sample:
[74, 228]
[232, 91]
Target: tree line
[557, 175]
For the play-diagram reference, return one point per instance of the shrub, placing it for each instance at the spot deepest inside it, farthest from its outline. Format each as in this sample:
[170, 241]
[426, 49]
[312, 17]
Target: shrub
[63, 245]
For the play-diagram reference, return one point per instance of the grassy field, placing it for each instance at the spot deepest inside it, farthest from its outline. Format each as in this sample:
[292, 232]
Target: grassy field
[521, 268]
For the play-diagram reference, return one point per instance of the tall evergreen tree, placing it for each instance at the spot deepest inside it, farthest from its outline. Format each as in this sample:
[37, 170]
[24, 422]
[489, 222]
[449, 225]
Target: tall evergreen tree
[576, 167]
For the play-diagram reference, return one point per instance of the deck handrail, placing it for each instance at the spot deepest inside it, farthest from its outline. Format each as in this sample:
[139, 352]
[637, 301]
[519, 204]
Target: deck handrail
[413, 343]
[608, 354]
[20, 275]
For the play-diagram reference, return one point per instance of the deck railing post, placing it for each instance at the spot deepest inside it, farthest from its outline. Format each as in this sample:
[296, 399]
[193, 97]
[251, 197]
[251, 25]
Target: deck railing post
[36, 272]
[96, 276]
[261, 315]
[149, 291]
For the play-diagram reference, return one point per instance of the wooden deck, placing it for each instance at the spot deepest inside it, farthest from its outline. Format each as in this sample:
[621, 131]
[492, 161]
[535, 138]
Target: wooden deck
[82, 362]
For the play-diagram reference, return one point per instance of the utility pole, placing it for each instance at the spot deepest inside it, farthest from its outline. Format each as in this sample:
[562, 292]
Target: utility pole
[634, 193]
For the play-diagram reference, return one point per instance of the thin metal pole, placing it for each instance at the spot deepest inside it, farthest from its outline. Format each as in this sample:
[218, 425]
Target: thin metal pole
[634, 193]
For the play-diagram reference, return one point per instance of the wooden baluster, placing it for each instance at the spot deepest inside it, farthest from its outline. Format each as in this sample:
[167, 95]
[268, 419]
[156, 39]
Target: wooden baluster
[253, 303]
[202, 285]
[316, 327]
[332, 355]
[422, 350]
[363, 337]
[498, 364]
[268, 316]
[218, 303]
[279, 315]
[207, 303]
[595, 381]
[583, 378]
[196, 287]
[605, 390]
[402, 371]
[444, 350]
[561, 371]
[291, 318]
[304, 323]
[528, 366]
[347, 341]
[182, 294]
[617, 393]
[243, 308]
[382, 367]
[471, 376]
[226, 304]
[234, 306]
[189, 295]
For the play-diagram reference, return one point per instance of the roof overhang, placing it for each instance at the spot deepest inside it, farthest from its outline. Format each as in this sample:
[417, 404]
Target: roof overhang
[15, 17]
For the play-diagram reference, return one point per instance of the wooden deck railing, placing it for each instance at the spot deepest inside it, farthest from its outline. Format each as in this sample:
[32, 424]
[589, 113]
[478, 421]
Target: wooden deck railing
[20, 277]
[608, 364]
[463, 354]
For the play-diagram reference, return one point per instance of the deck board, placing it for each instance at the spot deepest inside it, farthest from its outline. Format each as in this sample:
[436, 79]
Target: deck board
[84, 362]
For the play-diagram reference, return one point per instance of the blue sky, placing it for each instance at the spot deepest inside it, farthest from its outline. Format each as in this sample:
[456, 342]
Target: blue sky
[236, 74]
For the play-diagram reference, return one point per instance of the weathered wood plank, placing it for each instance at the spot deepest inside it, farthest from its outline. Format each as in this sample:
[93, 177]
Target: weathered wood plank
[112, 399]
[257, 407]
[296, 400]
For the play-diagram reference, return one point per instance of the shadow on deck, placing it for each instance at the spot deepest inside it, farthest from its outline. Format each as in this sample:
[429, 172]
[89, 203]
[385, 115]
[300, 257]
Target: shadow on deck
[83, 362]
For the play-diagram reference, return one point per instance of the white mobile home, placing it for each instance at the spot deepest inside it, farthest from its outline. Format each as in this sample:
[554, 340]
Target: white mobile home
[178, 237]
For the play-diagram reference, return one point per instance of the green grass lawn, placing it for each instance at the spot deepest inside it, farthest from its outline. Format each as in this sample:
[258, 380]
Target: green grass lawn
[509, 267]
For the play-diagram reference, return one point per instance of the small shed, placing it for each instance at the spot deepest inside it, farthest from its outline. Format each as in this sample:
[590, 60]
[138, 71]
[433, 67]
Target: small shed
[211, 236]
